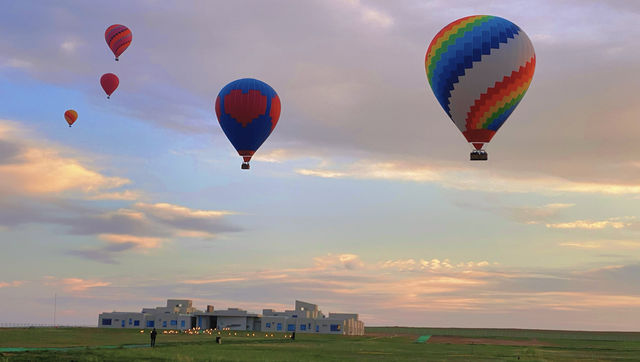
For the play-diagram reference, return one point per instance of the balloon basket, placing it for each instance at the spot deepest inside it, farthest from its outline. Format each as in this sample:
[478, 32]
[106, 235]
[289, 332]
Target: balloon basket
[478, 155]
[245, 166]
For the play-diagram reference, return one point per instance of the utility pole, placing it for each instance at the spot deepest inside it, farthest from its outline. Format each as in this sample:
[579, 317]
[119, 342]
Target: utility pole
[55, 305]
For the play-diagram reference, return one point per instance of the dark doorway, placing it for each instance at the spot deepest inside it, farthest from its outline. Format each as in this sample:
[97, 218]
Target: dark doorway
[213, 322]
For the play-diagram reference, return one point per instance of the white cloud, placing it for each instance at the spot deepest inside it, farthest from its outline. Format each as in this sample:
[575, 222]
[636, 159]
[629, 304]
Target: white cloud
[466, 178]
[603, 244]
[588, 224]
[341, 261]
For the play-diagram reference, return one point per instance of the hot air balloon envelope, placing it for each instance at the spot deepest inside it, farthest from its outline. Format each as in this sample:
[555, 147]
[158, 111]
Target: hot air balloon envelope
[70, 116]
[109, 83]
[248, 111]
[118, 39]
[479, 69]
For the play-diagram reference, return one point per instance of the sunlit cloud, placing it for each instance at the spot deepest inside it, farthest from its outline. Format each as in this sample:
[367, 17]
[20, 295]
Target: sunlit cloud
[126, 195]
[590, 225]
[167, 211]
[603, 244]
[15, 283]
[213, 281]
[81, 285]
[431, 265]
[139, 241]
[42, 169]
[465, 179]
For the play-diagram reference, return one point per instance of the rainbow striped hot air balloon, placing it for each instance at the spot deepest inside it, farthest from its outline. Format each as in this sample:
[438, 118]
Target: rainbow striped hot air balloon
[479, 68]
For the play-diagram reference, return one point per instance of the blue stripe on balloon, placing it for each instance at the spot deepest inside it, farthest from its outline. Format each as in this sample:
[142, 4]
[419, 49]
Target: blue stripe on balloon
[466, 50]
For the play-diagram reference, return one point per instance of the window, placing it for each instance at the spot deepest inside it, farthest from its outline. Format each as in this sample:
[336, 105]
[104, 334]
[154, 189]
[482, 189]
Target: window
[291, 327]
[130, 321]
[303, 327]
[122, 324]
[335, 328]
[309, 325]
[317, 329]
[151, 324]
[182, 323]
[106, 321]
[268, 324]
[279, 327]
[295, 316]
[136, 323]
[174, 322]
[164, 324]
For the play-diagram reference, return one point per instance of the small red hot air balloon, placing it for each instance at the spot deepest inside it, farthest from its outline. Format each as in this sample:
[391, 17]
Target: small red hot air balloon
[70, 116]
[109, 83]
[118, 38]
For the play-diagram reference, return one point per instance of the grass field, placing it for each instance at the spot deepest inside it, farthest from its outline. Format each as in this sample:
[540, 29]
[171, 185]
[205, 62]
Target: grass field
[381, 343]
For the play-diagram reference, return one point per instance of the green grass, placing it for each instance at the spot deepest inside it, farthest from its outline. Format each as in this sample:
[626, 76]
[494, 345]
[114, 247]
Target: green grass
[388, 343]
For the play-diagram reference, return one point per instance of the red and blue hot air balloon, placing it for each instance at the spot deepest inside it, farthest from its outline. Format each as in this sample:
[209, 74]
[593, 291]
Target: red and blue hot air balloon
[479, 69]
[248, 111]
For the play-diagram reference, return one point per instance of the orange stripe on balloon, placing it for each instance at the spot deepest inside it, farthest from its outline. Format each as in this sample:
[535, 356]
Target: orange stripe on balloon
[500, 94]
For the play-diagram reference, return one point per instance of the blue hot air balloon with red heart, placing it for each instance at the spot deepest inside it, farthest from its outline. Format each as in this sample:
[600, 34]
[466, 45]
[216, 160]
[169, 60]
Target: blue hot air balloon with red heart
[248, 111]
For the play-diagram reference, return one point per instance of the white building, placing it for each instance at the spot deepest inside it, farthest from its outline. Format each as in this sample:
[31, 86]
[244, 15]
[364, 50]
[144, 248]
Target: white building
[180, 314]
[306, 318]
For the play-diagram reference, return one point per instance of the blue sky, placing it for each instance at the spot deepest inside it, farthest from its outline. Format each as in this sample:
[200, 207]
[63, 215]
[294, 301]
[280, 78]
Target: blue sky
[362, 200]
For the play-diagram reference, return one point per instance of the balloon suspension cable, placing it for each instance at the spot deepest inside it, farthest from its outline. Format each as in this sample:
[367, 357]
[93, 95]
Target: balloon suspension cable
[245, 166]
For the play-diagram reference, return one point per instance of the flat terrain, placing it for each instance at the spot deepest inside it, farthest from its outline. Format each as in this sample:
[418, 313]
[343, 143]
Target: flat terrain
[382, 343]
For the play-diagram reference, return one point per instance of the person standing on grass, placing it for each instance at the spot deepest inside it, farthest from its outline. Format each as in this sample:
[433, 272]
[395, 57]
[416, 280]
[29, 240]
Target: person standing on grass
[153, 337]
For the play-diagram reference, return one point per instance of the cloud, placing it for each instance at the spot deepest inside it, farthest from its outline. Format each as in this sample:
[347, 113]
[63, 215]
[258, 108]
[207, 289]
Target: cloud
[198, 222]
[126, 241]
[15, 283]
[214, 281]
[535, 214]
[45, 183]
[465, 178]
[340, 261]
[590, 225]
[369, 15]
[603, 244]
[107, 254]
[29, 167]
[81, 285]
[375, 288]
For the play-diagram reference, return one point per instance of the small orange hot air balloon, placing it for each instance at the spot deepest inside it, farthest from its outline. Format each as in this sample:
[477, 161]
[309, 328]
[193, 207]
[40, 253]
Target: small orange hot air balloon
[70, 116]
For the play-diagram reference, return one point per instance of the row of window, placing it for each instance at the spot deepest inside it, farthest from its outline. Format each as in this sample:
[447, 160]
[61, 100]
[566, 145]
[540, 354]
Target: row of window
[136, 323]
[303, 327]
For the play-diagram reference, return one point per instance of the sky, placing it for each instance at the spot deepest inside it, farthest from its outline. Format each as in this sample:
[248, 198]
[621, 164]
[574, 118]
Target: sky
[363, 198]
